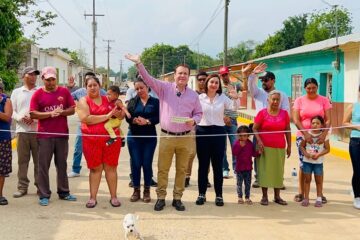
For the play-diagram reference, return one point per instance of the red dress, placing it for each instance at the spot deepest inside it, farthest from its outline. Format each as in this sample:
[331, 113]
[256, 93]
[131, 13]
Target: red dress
[94, 147]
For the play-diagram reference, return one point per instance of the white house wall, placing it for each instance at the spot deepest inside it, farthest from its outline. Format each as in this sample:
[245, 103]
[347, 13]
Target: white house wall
[351, 74]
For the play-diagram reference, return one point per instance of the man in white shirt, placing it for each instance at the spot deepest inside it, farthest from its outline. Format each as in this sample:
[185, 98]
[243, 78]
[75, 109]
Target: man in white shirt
[25, 127]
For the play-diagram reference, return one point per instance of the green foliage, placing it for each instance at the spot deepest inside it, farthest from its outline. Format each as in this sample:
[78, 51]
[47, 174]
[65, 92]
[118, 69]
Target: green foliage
[9, 78]
[10, 27]
[131, 74]
[240, 53]
[323, 25]
[153, 58]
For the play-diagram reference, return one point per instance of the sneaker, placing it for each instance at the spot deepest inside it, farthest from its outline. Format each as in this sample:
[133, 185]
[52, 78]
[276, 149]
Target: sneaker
[19, 193]
[44, 201]
[110, 141]
[226, 174]
[3, 201]
[219, 201]
[357, 203]
[255, 184]
[201, 199]
[73, 174]
[69, 198]
[153, 183]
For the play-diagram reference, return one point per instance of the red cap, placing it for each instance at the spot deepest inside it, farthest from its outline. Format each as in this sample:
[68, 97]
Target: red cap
[223, 70]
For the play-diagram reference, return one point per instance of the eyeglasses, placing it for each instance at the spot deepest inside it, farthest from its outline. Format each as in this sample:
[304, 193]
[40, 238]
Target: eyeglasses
[201, 79]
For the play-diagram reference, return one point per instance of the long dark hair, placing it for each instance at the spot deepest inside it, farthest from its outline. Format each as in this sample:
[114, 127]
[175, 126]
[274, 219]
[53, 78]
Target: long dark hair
[309, 81]
[219, 91]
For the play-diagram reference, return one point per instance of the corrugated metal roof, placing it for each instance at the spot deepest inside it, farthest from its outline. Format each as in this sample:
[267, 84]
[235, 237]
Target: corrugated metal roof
[326, 44]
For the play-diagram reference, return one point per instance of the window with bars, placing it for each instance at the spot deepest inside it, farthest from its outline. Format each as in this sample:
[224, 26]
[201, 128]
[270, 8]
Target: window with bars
[296, 86]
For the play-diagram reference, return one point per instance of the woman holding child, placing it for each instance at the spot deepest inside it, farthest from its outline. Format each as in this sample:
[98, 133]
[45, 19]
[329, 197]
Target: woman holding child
[94, 111]
[272, 128]
[210, 136]
[144, 111]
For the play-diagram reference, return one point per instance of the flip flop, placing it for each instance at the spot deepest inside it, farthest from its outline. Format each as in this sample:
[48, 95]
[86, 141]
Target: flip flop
[280, 201]
[248, 201]
[91, 203]
[115, 202]
[305, 202]
[264, 202]
[318, 204]
[240, 201]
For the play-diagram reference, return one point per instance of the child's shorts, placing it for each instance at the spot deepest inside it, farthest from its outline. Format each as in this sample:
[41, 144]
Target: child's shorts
[309, 168]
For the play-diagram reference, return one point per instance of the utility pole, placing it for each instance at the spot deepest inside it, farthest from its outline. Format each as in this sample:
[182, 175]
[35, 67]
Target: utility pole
[108, 62]
[226, 31]
[121, 70]
[336, 20]
[198, 57]
[94, 29]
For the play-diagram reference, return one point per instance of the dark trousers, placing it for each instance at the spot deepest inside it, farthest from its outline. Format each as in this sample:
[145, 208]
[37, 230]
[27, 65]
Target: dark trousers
[142, 153]
[354, 150]
[210, 149]
[243, 177]
[48, 147]
[27, 146]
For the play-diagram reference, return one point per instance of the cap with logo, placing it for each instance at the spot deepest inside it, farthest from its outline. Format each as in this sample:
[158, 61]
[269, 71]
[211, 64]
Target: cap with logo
[268, 75]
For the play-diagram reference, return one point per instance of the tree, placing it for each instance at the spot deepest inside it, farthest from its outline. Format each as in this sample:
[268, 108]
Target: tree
[322, 25]
[240, 53]
[12, 44]
[131, 74]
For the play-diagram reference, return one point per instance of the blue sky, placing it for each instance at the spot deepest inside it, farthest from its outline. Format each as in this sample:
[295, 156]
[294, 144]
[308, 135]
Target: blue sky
[138, 24]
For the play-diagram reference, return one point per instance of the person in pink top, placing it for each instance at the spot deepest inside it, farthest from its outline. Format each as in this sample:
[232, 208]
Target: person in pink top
[272, 132]
[51, 105]
[180, 111]
[305, 108]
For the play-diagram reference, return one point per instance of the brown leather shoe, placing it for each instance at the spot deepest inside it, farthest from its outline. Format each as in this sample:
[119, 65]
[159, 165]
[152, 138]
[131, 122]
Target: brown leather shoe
[146, 198]
[136, 195]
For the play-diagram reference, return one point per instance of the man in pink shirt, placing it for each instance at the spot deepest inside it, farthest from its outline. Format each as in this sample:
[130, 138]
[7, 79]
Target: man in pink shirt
[180, 110]
[51, 105]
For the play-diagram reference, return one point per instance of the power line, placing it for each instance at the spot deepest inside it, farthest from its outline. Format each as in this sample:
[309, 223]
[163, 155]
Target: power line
[212, 18]
[67, 22]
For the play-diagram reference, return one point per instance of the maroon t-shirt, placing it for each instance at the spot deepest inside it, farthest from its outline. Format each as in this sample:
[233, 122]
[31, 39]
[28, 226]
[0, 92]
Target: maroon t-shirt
[46, 102]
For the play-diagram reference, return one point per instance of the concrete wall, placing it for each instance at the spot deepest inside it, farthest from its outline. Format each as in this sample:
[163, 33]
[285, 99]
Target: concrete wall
[352, 72]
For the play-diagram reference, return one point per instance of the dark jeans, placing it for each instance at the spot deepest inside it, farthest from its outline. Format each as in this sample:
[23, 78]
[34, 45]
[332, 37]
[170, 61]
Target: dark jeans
[48, 147]
[141, 152]
[231, 133]
[210, 148]
[354, 149]
[243, 177]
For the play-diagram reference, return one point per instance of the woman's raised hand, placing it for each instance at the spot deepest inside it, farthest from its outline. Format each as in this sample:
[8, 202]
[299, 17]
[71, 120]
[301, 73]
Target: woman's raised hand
[134, 58]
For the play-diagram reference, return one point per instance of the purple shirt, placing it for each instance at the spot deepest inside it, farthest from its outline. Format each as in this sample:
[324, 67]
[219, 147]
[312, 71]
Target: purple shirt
[243, 155]
[186, 105]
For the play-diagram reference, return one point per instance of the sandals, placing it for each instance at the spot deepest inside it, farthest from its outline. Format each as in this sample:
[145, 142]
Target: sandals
[91, 203]
[264, 201]
[298, 198]
[305, 202]
[248, 201]
[280, 201]
[318, 204]
[115, 202]
[240, 201]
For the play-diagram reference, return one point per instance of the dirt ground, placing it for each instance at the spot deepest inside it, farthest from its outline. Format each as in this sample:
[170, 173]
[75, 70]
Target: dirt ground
[23, 218]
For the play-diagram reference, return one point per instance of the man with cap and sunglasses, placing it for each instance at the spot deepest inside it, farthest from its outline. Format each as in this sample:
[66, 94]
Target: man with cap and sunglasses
[27, 145]
[260, 95]
[230, 116]
[51, 105]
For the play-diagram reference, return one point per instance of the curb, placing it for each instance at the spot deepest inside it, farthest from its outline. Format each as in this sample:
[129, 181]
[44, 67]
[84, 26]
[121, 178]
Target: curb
[338, 152]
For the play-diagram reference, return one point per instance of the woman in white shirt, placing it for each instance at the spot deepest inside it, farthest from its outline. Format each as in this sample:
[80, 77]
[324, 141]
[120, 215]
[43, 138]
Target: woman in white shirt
[210, 136]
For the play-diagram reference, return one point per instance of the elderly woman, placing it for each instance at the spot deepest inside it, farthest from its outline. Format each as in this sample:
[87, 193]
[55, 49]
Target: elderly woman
[5, 141]
[144, 111]
[305, 108]
[352, 121]
[210, 136]
[275, 125]
[94, 111]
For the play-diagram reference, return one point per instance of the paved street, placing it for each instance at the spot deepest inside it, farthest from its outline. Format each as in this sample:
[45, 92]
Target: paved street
[24, 219]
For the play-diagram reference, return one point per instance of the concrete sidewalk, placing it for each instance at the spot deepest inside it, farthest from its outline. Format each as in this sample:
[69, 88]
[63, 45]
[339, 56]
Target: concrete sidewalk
[23, 218]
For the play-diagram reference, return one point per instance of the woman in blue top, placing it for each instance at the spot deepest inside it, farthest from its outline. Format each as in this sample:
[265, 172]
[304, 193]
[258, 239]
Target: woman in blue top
[5, 141]
[352, 121]
[144, 111]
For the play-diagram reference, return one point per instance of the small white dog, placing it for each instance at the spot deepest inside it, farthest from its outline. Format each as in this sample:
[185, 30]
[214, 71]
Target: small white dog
[129, 227]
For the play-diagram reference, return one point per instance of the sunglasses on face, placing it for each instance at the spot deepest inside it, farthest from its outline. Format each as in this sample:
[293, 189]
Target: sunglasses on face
[201, 79]
[265, 80]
